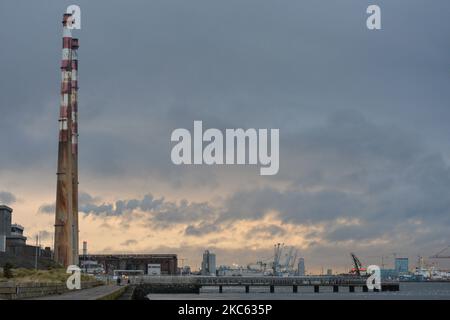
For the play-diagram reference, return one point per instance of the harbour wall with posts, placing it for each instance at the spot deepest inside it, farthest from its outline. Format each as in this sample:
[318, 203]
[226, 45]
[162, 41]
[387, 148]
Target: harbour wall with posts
[144, 285]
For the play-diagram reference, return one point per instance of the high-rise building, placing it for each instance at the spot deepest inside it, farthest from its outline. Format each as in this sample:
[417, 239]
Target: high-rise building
[209, 264]
[329, 272]
[401, 265]
[85, 248]
[301, 267]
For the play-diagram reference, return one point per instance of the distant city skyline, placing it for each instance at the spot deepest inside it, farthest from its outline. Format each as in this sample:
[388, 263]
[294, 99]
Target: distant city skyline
[363, 118]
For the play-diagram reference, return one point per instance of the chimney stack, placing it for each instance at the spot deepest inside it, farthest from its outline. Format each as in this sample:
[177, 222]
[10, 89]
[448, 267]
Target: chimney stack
[74, 132]
[66, 225]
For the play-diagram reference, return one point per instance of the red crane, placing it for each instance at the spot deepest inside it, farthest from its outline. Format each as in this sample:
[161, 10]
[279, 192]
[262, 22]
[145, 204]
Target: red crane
[358, 267]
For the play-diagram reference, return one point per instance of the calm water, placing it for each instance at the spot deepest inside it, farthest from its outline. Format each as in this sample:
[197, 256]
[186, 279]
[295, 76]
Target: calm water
[407, 291]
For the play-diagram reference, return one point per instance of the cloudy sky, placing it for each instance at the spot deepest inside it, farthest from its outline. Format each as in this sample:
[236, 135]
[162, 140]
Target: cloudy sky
[363, 118]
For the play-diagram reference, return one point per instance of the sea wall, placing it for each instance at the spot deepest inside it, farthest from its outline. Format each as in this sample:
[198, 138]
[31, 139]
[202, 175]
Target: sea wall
[13, 291]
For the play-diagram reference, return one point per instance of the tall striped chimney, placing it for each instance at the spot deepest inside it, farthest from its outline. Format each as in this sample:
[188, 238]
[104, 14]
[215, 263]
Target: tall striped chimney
[74, 104]
[64, 194]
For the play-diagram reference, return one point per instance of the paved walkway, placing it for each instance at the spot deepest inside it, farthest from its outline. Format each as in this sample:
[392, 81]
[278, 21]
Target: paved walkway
[85, 294]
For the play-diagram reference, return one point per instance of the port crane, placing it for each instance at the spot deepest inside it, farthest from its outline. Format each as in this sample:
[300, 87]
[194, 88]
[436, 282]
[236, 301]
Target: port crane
[358, 269]
[289, 263]
[294, 260]
[289, 257]
[440, 255]
[278, 249]
[282, 261]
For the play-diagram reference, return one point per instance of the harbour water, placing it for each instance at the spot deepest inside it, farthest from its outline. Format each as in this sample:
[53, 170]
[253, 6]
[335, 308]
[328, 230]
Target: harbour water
[408, 291]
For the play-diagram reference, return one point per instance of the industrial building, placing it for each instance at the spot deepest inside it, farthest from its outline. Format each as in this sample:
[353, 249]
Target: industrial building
[209, 264]
[5, 226]
[111, 262]
[14, 248]
[16, 237]
[11, 235]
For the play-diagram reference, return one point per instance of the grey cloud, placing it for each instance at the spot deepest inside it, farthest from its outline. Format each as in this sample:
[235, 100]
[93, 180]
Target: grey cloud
[202, 229]
[292, 205]
[270, 230]
[86, 198]
[184, 212]
[7, 198]
[47, 208]
[205, 61]
[93, 205]
[86, 203]
[161, 212]
[355, 233]
[351, 167]
[348, 150]
[147, 203]
[384, 179]
[106, 209]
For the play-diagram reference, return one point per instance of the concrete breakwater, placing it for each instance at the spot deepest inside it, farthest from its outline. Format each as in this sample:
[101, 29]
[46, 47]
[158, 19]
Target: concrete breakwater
[12, 291]
[188, 282]
[144, 285]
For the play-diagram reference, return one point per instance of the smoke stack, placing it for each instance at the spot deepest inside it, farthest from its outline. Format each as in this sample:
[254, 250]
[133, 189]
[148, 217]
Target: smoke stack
[64, 193]
[74, 134]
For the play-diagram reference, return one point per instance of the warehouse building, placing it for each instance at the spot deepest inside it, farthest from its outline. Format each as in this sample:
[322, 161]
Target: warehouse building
[111, 262]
